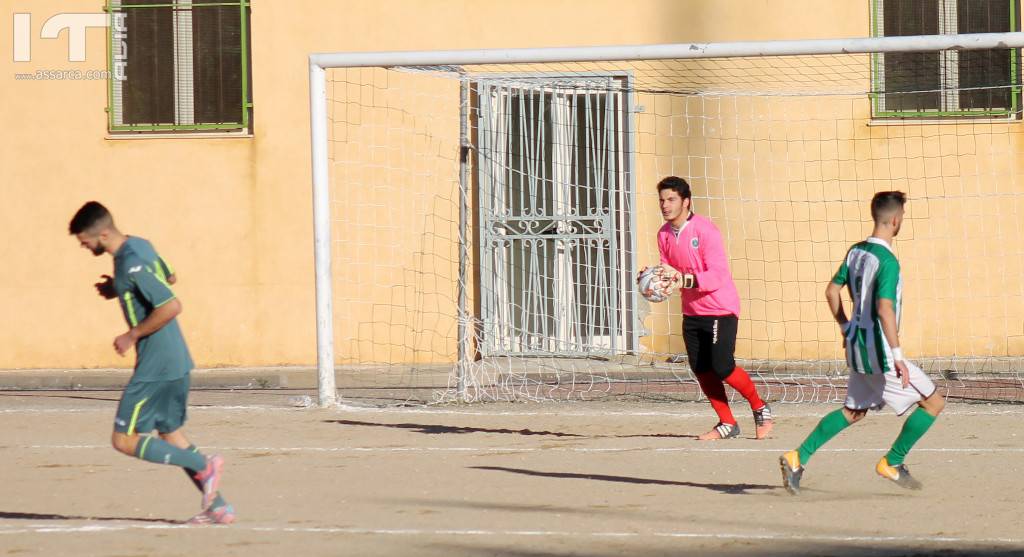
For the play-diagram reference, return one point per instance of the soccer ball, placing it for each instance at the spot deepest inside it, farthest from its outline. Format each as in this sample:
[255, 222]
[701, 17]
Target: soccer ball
[656, 283]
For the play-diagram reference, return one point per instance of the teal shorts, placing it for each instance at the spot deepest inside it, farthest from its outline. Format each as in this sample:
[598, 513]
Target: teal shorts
[149, 405]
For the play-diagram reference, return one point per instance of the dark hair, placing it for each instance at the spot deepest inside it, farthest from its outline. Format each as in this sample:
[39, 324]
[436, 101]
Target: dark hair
[88, 217]
[885, 202]
[676, 184]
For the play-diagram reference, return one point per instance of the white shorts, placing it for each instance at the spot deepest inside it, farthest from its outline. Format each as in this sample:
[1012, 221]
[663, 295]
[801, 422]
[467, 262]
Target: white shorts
[867, 392]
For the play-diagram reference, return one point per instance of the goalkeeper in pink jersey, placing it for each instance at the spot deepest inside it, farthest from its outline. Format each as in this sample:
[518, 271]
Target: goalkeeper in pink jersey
[692, 245]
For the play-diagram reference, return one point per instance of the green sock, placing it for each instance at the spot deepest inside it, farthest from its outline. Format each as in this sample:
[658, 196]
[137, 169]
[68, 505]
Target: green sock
[218, 501]
[192, 473]
[154, 449]
[827, 428]
[913, 429]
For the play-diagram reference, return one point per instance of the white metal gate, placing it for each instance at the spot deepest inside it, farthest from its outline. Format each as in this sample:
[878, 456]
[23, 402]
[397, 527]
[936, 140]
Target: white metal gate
[555, 206]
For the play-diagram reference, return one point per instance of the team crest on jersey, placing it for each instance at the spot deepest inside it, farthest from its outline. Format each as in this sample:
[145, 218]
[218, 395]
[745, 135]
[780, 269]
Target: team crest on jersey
[693, 242]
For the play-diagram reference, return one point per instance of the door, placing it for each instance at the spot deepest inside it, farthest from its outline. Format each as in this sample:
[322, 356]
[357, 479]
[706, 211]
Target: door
[554, 216]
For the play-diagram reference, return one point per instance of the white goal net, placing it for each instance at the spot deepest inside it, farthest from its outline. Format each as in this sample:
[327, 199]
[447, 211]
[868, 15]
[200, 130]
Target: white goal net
[487, 220]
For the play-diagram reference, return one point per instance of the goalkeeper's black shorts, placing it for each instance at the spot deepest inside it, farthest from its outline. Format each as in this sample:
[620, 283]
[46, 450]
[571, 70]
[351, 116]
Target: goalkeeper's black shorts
[711, 343]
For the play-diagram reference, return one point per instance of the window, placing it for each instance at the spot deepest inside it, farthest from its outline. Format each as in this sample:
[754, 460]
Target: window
[949, 83]
[179, 65]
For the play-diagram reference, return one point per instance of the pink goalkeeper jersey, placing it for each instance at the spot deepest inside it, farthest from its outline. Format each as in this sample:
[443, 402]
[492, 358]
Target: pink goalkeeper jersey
[698, 250]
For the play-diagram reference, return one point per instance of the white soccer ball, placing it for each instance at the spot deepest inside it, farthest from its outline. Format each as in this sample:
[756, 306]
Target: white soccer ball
[655, 283]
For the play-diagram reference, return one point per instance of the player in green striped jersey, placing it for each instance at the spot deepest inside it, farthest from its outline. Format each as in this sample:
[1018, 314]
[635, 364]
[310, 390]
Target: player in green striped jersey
[879, 373]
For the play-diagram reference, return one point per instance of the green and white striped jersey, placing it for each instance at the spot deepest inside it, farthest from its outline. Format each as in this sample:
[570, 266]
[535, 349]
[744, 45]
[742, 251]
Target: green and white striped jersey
[871, 272]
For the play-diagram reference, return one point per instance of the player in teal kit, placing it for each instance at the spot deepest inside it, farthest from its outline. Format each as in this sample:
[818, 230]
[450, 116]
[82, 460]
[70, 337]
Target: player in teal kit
[156, 397]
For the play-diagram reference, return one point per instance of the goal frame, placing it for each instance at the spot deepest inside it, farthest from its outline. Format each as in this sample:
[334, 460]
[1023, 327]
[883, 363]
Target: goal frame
[319, 63]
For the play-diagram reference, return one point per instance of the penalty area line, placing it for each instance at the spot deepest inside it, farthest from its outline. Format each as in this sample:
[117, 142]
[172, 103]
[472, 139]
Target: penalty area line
[780, 410]
[550, 449]
[109, 528]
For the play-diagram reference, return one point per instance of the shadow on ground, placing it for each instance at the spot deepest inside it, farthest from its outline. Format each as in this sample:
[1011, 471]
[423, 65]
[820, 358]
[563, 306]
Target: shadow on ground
[641, 547]
[435, 429]
[5, 515]
[732, 489]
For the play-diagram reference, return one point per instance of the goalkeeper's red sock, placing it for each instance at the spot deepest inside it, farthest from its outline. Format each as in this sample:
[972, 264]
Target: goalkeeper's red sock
[715, 391]
[740, 381]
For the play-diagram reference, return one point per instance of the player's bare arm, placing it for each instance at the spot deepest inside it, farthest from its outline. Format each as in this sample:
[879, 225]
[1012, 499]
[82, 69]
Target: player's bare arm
[835, 304]
[887, 315]
[151, 324]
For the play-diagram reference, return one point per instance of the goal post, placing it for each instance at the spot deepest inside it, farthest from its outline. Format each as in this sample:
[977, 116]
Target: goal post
[479, 214]
[326, 389]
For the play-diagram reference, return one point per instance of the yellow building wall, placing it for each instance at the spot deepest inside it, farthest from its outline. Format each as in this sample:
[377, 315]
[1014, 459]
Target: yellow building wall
[233, 215]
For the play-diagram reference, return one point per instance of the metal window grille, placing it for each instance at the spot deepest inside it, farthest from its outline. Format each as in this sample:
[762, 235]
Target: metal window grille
[555, 206]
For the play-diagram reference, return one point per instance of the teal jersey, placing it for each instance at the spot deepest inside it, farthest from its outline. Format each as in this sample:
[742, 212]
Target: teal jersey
[871, 272]
[140, 280]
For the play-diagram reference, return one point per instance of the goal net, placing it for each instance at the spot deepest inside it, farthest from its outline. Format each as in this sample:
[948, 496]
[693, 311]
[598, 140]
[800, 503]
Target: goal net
[483, 214]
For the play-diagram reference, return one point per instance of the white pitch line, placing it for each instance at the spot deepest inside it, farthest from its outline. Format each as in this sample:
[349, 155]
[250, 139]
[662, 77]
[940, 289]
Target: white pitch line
[50, 410]
[106, 528]
[781, 411]
[552, 449]
[108, 406]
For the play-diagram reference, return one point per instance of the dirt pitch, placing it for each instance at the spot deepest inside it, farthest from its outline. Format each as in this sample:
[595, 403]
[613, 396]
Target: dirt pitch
[518, 480]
